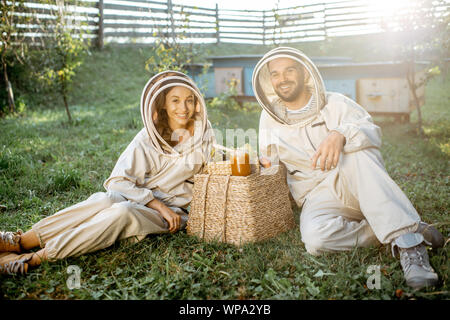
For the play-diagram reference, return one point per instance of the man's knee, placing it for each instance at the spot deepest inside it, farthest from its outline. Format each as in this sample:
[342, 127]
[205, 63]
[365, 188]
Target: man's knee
[314, 246]
[368, 156]
[319, 233]
[313, 237]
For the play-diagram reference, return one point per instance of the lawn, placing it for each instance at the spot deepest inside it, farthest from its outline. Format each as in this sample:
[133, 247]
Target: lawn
[47, 165]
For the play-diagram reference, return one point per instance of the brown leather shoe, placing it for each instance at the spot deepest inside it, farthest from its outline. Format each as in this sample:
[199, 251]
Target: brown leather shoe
[10, 241]
[431, 234]
[12, 263]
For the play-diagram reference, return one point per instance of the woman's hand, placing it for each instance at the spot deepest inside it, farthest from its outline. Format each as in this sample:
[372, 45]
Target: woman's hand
[171, 217]
[329, 151]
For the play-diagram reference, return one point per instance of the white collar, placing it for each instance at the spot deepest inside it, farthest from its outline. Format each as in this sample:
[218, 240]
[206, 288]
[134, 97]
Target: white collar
[289, 111]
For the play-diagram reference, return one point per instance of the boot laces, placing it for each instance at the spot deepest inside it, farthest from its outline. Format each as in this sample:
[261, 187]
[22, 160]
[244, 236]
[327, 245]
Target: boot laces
[414, 256]
[17, 266]
[8, 237]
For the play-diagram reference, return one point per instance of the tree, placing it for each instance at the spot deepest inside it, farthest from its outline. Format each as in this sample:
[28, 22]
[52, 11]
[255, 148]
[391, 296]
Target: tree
[170, 52]
[280, 22]
[65, 46]
[423, 34]
[13, 46]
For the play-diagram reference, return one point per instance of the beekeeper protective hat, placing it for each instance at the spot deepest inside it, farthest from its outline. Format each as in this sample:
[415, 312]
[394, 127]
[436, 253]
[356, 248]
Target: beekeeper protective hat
[281, 76]
[158, 86]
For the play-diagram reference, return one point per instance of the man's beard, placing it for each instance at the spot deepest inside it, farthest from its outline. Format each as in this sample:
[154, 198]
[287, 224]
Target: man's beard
[292, 96]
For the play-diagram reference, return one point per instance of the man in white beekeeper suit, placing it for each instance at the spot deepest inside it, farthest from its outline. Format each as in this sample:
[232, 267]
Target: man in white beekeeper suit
[330, 148]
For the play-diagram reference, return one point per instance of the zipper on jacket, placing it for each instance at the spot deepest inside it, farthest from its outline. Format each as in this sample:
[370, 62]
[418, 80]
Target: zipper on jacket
[318, 124]
[306, 130]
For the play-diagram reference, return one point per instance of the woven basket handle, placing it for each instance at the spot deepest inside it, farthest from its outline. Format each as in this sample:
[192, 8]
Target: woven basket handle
[204, 191]
[227, 183]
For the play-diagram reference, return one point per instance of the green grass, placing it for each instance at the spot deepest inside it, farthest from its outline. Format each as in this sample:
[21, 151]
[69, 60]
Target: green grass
[47, 165]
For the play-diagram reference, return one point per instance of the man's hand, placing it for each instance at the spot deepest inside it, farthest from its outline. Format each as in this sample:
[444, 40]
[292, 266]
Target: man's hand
[265, 162]
[329, 151]
[171, 217]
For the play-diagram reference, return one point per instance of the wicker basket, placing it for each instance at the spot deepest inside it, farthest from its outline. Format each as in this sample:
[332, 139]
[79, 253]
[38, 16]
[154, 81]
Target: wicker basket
[222, 168]
[237, 210]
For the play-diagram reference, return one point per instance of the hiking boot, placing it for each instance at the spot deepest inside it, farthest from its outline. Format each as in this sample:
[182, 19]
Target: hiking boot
[414, 260]
[431, 234]
[12, 263]
[10, 241]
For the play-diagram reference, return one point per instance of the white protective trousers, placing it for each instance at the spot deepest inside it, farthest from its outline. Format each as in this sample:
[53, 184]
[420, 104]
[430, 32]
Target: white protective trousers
[97, 223]
[149, 168]
[356, 205]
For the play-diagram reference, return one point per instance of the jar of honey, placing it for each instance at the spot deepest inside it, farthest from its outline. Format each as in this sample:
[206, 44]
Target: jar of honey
[240, 163]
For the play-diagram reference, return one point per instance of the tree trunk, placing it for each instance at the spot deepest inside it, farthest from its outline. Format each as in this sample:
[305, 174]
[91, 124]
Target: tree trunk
[9, 90]
[67, 107]
[64, 94]
[410, 76]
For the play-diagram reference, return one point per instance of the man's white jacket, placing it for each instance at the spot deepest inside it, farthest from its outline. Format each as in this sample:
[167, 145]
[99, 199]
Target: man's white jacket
[294, 142]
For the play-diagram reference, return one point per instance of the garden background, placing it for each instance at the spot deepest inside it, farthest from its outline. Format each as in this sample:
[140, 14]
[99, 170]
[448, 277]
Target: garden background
[48, 163]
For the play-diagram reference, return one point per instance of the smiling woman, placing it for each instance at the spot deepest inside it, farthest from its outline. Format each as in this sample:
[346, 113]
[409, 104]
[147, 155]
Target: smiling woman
[175, 110]
[148, 191]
